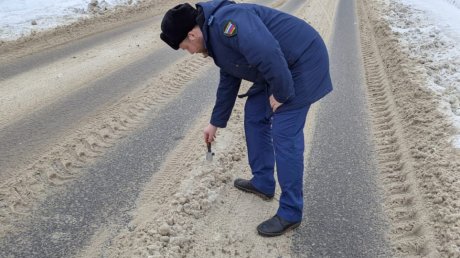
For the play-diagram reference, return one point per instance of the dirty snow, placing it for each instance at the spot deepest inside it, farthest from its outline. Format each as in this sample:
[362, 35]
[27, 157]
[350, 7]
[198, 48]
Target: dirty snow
[430, 32]
[22, 17]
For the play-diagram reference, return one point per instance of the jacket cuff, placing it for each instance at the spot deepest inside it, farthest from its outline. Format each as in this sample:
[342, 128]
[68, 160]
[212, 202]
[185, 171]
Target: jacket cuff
[282, 101]
[217, 123]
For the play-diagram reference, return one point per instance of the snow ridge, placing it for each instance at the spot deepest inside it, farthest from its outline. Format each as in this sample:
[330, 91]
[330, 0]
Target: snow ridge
[23, 17]
[456, 3]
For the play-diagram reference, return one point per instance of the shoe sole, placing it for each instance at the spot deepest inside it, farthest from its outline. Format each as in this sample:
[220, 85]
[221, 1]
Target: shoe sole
[261, 195]
[266, 234]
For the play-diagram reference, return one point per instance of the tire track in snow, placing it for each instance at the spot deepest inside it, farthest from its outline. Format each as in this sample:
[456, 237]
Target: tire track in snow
[409, 231]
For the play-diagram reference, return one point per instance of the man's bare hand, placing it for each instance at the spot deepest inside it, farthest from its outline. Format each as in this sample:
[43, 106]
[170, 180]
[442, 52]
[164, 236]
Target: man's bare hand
[209, 133]
[274, 104]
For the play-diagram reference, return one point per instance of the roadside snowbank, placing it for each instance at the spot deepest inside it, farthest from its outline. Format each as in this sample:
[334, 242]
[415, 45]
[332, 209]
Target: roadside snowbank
[420, 81]
[23, 17]
[430, 34]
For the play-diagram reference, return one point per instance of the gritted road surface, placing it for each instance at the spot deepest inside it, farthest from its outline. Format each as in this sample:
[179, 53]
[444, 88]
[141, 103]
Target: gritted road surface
[110, 187]
[342, 213]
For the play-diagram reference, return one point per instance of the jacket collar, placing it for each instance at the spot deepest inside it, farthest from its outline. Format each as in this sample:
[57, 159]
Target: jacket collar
[209, 8]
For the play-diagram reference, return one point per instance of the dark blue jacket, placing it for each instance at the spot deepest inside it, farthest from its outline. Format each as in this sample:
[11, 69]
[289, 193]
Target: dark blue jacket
[277, 51]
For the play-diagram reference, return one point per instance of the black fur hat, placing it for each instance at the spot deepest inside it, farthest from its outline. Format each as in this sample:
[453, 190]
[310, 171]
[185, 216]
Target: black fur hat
[176, 24]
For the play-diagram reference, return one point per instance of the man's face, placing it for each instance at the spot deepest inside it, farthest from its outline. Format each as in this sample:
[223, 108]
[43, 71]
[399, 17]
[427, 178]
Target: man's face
[194, 42]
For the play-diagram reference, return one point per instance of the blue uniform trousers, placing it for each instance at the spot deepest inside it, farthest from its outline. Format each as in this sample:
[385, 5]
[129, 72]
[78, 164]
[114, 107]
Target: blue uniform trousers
[276, 137]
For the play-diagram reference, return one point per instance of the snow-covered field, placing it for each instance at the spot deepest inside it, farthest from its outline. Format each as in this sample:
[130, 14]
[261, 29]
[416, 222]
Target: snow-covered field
[22, 17]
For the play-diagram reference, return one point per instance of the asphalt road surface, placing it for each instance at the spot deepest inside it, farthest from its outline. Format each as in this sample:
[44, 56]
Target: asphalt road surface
[342, 216]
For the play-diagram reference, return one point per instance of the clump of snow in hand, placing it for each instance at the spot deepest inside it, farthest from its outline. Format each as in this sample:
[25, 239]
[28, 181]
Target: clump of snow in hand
[18, 16]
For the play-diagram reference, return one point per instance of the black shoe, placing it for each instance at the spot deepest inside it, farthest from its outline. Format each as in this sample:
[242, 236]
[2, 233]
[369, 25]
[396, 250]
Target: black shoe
[276, 226]
[245, 185]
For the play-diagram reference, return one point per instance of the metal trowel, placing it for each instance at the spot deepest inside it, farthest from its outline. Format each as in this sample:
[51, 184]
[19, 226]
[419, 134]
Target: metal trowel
[209, 154]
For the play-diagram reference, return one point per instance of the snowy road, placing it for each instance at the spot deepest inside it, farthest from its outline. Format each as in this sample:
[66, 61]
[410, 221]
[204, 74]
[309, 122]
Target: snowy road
[101, 152]
[111, 179]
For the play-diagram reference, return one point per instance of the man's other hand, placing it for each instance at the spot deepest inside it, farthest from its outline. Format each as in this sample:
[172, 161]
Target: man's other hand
[274, 104]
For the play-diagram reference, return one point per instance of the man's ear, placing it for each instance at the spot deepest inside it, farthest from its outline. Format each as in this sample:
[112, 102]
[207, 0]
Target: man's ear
[195, 33]
[192, 35]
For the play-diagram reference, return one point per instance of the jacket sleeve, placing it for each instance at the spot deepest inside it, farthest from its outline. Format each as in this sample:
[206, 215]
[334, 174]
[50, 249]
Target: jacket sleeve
[225, 99]
[260, 49]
